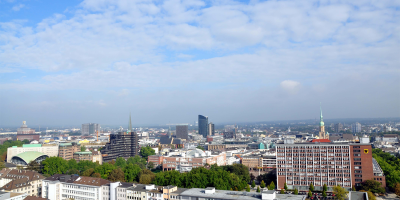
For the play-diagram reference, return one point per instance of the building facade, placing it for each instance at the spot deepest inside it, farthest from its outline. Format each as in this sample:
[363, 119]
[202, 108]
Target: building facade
[49, 150]
[203, 126]
[182, 132]
[67, 150]
[90, 128]
[356, 127]
[21, 181]
[346, 164]
[338, 127]
[122, 144]
[211, 130]
[83, 155]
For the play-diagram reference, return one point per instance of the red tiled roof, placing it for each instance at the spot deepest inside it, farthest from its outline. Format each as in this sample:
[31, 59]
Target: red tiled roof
[320, 140]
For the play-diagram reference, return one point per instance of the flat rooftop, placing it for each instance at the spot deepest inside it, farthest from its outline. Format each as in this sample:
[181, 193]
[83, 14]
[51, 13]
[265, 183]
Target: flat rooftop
[376, 167]
[227, 194]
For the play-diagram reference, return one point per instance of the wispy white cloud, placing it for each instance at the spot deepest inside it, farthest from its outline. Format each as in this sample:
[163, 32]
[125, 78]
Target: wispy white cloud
[127, 46]
[18, 7]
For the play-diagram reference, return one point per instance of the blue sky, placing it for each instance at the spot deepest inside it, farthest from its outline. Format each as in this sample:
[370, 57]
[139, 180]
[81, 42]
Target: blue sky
[73, 62]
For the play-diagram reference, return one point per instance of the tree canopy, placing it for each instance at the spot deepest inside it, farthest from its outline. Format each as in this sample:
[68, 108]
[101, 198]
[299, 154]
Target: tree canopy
[147, 151]
[390, 166]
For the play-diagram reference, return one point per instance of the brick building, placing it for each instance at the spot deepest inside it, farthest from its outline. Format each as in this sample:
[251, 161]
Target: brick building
[344, 164]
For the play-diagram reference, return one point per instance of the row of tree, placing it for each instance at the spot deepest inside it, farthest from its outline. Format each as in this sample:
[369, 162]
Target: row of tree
[390, 166]
[230, 177]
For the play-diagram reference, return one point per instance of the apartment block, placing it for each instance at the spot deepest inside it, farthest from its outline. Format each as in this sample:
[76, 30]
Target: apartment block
[344, 164]
[21, 181]
[67, 150]
[83, 155]
[122, 144]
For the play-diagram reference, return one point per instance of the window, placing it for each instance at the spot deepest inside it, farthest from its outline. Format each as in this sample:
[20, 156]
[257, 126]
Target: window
[357, 154]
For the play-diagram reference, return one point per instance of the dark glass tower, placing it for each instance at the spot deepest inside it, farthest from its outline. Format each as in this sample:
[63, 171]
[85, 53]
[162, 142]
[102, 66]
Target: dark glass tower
[203, 125]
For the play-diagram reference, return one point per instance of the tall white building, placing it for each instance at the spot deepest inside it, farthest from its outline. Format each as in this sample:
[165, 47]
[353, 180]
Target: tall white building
[356, 127]
[90, 128]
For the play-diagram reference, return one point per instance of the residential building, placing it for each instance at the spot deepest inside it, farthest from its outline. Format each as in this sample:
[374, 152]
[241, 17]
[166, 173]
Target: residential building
[48, 150]
[356, 127]
[61, 187]
[90, 128]
[338, 127]
[184, 162]
[211, 130]
[203, 125]
[182, 132]
[97, 157]
[67, 150]
[83, 155]
[21, 181]
[345, 164]
[12, 196]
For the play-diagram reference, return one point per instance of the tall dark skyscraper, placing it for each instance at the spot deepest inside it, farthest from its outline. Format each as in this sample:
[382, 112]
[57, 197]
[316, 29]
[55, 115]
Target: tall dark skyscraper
[182, 131]
[203, 125]
[122, 144]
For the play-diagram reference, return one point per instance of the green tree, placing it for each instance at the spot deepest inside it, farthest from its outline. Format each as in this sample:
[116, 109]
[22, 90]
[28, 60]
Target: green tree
[83, 148]
[88, 172]
[25, 141]
[2, 165]
[311, 187]
[258, 189]
[146, 152]
[371, 196]
[73, 171]
[54, 165]
[200, 147]
[116, 175]
[373, 186]
[309, 194]
[132, 172]
[324, 194]
[340, 193]
[72, 164]
[282, 191]
[353, 188]
[262, 184]
[285, 186]
[248, 188]
[397, 189]
[271, 186]
[146, 176]
[96, 175]
[325, 188]
[253, 184]
[150, 165]
[296, 191]
[120, 162]
[33, 165]
[104, 170]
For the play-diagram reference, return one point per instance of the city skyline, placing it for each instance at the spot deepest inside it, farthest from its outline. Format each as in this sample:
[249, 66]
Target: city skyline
[68, 63]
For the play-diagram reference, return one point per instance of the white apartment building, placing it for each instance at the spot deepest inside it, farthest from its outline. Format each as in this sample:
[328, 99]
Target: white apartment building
[64, 187]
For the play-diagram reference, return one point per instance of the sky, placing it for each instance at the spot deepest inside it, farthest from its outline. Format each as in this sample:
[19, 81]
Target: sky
[73, 62]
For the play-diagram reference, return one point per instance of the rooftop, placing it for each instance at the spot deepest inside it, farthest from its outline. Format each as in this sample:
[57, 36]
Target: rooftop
[227, 194]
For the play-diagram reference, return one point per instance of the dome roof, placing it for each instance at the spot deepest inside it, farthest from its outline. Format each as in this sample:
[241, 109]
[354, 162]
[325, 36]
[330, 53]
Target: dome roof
[196, 153]
[29, 156]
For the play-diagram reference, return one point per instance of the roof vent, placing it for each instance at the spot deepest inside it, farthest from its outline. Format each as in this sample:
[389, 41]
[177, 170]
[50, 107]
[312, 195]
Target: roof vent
[209, 190]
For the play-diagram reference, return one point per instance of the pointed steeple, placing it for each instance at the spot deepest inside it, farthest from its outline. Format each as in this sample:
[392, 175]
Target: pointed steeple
[321, 123]
[130, 124]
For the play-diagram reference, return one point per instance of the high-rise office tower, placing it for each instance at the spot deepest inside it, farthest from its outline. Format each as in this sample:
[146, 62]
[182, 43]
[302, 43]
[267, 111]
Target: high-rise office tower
[203, 125]
[211, 129]
[338, 127]
[182, 131]
[356, 127]
[122, 144]
[90, 128]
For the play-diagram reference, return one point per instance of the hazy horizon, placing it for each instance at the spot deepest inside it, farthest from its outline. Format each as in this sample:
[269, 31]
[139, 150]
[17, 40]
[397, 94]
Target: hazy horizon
[74, 62]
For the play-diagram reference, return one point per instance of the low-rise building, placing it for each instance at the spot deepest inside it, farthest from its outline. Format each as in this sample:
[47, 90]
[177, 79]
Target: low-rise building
[29, 182]
[12, 195]
[60, 186]
[83, 155]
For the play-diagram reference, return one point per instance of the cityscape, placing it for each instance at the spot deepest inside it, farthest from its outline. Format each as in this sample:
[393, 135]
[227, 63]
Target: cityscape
[199, 100]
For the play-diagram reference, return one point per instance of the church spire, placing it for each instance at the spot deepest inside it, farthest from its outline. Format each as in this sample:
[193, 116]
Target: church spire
[130, 124]
[321, 123]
